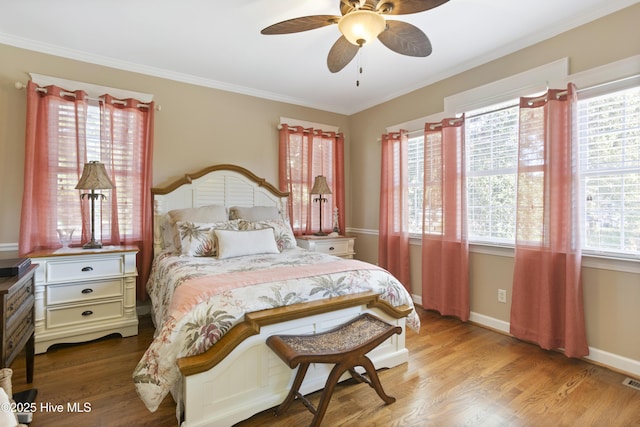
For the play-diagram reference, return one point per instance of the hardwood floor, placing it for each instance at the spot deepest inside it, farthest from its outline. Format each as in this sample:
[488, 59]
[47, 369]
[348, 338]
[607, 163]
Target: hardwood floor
[458, 374]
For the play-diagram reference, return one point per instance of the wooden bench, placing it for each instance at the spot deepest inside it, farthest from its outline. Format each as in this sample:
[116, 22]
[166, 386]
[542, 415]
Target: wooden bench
[345, 346]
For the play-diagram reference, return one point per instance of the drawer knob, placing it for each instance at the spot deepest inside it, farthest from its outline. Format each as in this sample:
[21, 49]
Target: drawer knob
[331, 248]
[87, 291]
[87, 313]
[87, 269]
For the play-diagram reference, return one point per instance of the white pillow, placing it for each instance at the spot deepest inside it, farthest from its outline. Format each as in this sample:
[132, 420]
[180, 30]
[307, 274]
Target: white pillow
[210, 213]
[241, 243]
[281, 230]
[254, 213]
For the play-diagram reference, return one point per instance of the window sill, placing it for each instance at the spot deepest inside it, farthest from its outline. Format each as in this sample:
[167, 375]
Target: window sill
[609, 262]
[589, 259]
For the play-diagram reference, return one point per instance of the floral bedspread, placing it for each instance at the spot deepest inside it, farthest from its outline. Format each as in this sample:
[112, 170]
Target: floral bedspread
[185, 331]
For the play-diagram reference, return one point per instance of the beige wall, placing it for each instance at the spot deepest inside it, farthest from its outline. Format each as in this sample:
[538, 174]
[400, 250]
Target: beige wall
[611, 297]
[200, 126]
[196, 127]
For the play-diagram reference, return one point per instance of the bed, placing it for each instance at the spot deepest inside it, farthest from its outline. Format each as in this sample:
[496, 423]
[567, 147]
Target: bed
[226, 275]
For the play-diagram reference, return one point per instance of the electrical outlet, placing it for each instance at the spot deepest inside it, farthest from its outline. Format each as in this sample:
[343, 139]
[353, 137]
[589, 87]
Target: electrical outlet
[502, 295]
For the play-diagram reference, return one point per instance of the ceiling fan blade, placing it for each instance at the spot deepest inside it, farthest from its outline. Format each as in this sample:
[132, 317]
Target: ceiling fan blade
[341, 53]
[297, 25]
[405, 7]
[406, 39]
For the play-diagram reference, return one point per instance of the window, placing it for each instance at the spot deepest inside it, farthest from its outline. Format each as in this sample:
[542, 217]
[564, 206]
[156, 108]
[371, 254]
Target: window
[67, 176]
[491, 140]
[609, 141]
[609, 137]
[415, 153]
[321, 158]
[304, 154]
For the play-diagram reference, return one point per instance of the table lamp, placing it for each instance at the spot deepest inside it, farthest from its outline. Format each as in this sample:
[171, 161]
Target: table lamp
[94, 177]
[320, 187]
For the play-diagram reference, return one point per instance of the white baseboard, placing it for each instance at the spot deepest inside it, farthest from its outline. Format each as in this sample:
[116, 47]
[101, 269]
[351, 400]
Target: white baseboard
[490, 322]
[417, 299]
[603, 358]
[599, 357]
[143, 308]
[614, 361]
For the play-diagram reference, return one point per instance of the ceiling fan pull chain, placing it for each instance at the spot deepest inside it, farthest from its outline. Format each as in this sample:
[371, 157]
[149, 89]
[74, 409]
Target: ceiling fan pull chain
[359, 69]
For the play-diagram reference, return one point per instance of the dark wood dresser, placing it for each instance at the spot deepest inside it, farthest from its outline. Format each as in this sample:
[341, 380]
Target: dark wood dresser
[17, 315]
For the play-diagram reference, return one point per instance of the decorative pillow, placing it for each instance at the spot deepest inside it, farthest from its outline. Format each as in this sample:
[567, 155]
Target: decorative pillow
[255, 213]
[167, 231]
[198, 239]
[205, 214]
[281, 230]
[232, 243]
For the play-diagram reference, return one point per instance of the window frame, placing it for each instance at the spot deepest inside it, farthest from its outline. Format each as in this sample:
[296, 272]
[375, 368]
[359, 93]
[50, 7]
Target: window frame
[585, 95]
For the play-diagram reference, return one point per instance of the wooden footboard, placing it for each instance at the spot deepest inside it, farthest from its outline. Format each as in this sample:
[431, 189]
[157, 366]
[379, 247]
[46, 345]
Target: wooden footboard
[241, 376]
[254, 321]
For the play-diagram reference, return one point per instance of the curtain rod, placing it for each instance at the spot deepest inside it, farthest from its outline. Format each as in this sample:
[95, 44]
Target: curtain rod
[544, 97]
[451, 122]
[20, 85]
[590, 88]
[304, 130]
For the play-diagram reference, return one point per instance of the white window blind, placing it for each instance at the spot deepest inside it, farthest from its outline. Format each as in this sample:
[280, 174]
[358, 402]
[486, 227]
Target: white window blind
[609, 138]
[491, 139]
[68, 204]
[415, 154]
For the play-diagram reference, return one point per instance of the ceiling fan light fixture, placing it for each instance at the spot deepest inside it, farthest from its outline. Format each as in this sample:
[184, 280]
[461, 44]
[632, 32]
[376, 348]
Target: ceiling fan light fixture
[361, 26]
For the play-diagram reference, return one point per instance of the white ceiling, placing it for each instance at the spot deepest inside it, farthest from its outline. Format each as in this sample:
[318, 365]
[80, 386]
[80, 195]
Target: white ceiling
[218, 44]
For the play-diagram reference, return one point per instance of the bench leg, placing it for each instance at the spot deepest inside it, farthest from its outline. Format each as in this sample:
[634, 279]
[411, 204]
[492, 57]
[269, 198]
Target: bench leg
[329, 386]
[297, 382]
[374, 380]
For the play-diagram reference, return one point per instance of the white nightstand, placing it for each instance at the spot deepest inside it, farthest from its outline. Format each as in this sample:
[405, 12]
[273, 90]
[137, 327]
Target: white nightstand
[341, 246]
[84, 294]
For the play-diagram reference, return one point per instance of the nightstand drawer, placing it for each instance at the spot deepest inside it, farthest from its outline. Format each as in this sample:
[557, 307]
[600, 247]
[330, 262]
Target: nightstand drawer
[67, 316]
[84, 269]
[336, 247]
[60, 294]
[341, 246]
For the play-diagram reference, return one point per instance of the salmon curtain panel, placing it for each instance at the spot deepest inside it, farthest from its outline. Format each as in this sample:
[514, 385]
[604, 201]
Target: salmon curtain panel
[393, 239]
[56, 148]
[305, 153]
[126, 147]
[55, 154]
[547, 302]
[445, 246]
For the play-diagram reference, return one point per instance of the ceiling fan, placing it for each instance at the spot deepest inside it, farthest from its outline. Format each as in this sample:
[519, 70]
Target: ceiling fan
[361, 22]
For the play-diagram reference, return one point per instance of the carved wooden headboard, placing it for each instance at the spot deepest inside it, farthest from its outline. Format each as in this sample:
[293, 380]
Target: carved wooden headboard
[227, 185]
